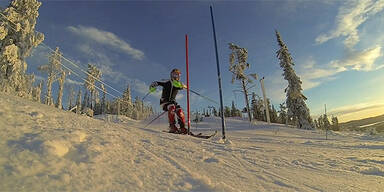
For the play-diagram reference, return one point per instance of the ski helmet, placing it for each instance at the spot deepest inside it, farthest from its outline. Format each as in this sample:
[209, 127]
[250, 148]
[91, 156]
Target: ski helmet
[175, 74]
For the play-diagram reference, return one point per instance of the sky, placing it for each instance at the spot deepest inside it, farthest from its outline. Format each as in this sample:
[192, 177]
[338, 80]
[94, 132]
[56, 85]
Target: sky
[336, 47]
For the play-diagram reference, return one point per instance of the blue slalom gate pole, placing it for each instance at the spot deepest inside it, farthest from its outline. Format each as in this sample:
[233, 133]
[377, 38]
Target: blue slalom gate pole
[219, 77]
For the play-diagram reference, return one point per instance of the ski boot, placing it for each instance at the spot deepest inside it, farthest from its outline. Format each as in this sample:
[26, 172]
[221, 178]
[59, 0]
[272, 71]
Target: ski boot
[183, 130]
[173, 128]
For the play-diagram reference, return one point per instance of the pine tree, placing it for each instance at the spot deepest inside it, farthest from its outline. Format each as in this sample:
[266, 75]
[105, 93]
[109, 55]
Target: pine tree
[316, 124]
[326, 123]
[59, 103]
[227, 111]
[17, 39]
[215, 112]
[273, 112]
[93, 75]
[103, 100]
[126, 102]
[335, 124]
[53, 68]
[257, 105]
[36, 92]
[137, 109]
[234, 112]
[283, 114]
[71, 98]
[320, 122]
[238, 65]
[84, 104]
[297, 109]
[78, 102]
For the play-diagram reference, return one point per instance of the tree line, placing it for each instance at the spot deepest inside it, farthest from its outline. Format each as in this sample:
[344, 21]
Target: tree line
[17, 40]
[292, 111]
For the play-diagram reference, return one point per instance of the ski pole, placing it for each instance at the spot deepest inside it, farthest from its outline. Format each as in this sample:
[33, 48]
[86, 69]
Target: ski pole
[151, 90]
[207, 98]
[155, 119]
[146, 96]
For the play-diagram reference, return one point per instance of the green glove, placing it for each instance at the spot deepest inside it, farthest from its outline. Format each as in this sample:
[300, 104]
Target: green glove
[152, 89]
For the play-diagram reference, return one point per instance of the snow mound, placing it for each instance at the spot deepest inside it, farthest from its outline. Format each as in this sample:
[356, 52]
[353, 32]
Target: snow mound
[57, 147]
[78, 136]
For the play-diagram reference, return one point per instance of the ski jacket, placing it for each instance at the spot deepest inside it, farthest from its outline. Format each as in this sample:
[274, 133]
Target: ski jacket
[169, 91]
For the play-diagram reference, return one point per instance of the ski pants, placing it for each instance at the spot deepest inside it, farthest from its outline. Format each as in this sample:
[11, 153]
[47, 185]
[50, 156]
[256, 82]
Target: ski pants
[175, 110]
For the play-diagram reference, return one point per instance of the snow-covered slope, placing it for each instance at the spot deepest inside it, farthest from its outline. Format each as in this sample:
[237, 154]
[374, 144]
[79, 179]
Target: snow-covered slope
[46, 149]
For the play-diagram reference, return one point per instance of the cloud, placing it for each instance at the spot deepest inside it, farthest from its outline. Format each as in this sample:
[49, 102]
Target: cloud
[106, 38]
[356, 111]
[294, 6]
[70, 81]
[360, 61]
[39, 78]
[354, 108]
[103, 62]
[313, 75]
[350, 16]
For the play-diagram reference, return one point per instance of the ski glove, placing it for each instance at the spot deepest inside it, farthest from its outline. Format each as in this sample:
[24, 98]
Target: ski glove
[152, 87]
[154, 84]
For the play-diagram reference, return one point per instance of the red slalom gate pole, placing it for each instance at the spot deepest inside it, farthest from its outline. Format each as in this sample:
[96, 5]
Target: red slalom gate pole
[186, 61]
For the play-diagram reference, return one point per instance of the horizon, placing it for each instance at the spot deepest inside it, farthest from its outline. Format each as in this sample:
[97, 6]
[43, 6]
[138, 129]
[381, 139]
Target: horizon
[336, 47]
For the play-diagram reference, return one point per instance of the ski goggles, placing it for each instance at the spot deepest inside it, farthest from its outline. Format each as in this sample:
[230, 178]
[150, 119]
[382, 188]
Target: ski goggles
[175, 75]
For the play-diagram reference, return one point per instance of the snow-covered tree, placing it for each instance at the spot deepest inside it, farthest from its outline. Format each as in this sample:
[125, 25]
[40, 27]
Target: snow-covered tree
[17, 39]
[234, 111]
[84, 103]
[297, 109]
[36, 93]
[53, 69]
[126, 103]
[137, 110]
[257, 107]
[326, 123]
[238, 65]
[273, 113]
[78, 102]
[59, 103]
[335, 124]
[227, 111]
[316, 124]
[283, 118]
[214, 111]
[71, 98]
[320, 122]
[93, 75]
[103, 100]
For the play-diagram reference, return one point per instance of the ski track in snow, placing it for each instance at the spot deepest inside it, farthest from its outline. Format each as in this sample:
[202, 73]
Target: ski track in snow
[46, 149]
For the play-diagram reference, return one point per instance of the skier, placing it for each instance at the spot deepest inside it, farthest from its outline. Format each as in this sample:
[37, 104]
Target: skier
[168, 101]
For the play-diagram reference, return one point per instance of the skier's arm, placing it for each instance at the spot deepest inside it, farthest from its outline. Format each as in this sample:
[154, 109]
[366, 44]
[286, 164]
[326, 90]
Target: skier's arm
[161, 83]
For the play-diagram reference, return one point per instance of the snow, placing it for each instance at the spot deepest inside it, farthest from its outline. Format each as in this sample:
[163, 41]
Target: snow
[368, 125]
[43, 148]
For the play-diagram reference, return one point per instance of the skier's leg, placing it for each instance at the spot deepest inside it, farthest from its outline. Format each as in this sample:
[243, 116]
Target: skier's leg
[171, 118]
[181, 119]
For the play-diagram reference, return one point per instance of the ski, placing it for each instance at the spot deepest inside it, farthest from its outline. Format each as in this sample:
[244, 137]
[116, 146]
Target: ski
[198, 135]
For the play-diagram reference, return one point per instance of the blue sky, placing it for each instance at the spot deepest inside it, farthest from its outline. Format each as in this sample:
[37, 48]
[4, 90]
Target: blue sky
[336, 47]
